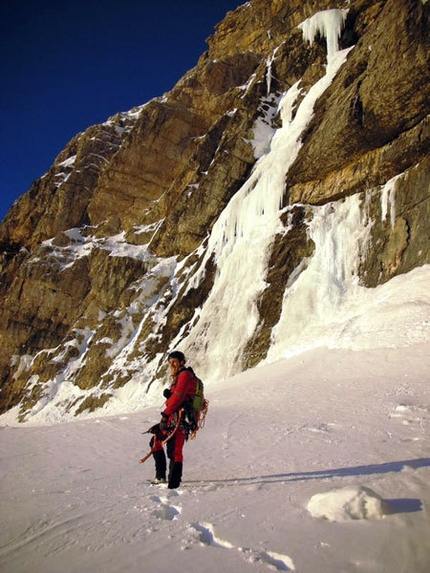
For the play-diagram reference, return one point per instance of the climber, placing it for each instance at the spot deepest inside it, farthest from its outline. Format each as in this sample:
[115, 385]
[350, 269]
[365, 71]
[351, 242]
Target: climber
[182, 389]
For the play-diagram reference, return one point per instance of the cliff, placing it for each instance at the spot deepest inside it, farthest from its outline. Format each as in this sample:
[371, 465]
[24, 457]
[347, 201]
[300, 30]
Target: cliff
[118, 253]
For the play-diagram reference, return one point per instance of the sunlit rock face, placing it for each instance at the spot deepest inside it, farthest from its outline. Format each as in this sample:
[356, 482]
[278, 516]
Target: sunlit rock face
[189, 220]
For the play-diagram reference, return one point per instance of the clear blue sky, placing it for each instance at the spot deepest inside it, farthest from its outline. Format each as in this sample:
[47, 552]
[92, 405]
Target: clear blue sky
[66, 65]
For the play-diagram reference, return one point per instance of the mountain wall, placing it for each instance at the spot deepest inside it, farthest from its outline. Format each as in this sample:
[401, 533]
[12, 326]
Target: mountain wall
[109, 260]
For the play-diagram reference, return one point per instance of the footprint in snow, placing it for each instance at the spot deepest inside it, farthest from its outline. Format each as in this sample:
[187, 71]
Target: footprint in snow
[206, 536]
[165, 511]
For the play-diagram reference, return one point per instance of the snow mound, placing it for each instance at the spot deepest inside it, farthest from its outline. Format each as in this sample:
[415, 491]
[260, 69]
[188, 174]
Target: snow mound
[347, 504]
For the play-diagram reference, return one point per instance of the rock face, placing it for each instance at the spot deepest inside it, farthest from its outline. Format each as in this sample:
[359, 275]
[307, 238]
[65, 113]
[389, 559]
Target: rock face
[103, 261]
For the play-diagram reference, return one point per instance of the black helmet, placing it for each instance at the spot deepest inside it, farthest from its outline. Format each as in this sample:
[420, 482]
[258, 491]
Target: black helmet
[178, 355]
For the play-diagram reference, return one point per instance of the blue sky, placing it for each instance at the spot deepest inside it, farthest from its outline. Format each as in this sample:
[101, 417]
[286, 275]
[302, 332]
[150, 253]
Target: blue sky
[67, 65]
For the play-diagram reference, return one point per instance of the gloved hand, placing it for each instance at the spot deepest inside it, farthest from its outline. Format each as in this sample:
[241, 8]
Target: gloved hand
[163, 423]
[154, 429]
[167, 393]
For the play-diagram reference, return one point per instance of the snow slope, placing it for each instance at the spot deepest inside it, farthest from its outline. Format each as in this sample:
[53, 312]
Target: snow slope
[338, 422]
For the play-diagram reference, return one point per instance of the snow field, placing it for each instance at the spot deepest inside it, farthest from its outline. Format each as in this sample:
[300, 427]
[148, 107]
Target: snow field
[76, 499]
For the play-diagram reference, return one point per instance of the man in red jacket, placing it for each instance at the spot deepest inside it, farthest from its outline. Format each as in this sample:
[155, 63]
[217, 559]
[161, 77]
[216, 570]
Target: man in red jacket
[182, 389]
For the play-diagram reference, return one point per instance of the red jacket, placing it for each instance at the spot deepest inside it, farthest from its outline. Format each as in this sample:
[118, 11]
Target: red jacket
[183, 388]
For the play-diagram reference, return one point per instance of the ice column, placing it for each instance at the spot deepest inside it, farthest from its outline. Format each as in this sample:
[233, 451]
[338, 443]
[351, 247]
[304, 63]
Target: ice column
[327, 293]
[242, 235]
[388, 203]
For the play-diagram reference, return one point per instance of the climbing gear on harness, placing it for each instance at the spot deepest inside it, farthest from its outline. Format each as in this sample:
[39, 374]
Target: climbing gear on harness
[169, 437]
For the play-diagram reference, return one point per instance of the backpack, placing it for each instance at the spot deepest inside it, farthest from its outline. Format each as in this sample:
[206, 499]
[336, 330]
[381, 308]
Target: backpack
[199, 396]
[196, 409]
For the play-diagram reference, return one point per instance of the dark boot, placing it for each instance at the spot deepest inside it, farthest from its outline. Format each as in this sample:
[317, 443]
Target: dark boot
[175, 475]
[160, 465]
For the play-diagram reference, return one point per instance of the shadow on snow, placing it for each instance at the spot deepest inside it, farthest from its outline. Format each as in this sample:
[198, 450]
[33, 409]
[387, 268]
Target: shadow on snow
[395, 505]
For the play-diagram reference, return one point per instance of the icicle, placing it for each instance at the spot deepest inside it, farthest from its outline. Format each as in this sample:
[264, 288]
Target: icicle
[269, 74]
[328, 23]
[270, 60]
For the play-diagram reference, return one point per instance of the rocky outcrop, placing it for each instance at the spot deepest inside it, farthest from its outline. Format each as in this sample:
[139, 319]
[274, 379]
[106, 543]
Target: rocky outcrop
[104, 262]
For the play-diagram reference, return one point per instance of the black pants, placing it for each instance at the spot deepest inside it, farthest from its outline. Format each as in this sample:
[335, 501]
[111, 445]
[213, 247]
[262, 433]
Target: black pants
[174, 448]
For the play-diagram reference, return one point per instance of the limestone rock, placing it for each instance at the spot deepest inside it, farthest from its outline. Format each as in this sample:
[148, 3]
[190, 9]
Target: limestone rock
[102, 262]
